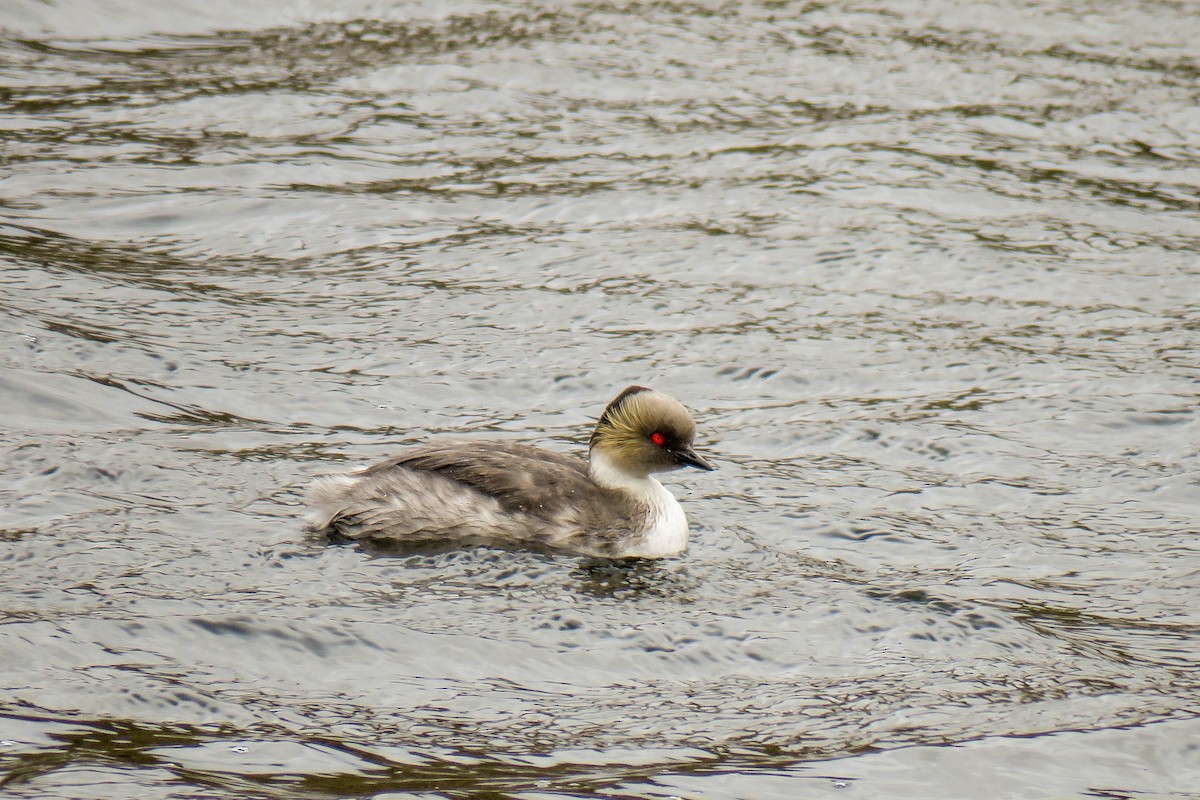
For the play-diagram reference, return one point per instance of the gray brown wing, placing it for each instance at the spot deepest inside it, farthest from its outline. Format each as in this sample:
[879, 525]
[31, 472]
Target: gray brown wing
[521, 478]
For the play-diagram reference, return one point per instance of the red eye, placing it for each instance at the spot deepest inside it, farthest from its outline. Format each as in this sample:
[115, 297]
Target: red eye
[658, 438]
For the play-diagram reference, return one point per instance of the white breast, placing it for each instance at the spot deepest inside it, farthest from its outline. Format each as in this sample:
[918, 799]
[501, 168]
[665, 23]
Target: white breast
[668, 534]
[667, 530]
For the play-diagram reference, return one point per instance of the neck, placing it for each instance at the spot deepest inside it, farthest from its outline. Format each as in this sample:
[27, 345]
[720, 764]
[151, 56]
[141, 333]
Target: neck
[604, 471]
[666, 533]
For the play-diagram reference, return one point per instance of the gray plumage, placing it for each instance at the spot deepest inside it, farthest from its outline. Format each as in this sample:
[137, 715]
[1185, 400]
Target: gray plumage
[512, 494]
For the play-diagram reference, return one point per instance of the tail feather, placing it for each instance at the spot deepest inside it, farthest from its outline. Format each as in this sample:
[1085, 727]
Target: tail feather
[326, 500]
[403, 504]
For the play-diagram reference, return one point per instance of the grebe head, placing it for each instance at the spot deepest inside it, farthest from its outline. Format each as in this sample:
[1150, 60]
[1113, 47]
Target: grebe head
[643, 431]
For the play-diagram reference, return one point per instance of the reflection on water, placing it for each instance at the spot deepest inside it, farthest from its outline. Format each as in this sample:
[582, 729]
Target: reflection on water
[926, 273]
[628, 579]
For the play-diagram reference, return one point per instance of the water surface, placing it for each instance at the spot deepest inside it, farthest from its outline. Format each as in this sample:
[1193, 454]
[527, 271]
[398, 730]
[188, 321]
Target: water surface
[927, 274]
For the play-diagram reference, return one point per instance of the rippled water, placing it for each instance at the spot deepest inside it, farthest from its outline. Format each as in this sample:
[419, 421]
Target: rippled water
[928, 274]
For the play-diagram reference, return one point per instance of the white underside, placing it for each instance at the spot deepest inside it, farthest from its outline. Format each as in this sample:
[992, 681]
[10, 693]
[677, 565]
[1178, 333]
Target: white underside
[667, 533]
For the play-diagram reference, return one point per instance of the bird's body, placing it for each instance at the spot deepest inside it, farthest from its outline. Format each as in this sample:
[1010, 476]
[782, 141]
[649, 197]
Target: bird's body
[469, 492]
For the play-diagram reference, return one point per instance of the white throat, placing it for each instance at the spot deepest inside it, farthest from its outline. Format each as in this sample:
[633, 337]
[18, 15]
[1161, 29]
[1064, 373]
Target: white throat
[667, 530]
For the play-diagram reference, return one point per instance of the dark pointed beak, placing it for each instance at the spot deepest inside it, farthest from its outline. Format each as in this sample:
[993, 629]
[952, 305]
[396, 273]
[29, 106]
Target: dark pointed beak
[688, 457]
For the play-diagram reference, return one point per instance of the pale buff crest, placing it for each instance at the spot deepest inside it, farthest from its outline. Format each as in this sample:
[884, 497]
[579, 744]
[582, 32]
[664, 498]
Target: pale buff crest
[643, 431]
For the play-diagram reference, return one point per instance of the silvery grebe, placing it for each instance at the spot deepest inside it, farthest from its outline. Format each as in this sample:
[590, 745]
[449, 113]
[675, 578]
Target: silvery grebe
[474, 492]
